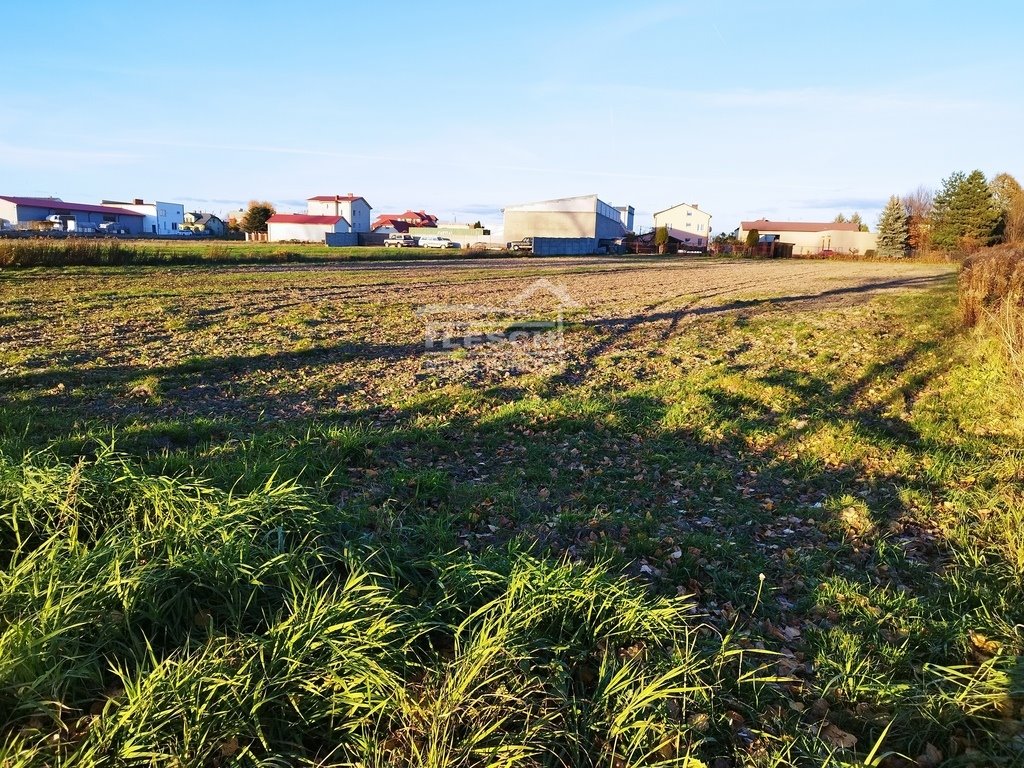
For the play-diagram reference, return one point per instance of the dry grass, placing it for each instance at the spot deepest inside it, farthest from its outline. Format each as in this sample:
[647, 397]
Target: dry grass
[91, 251]
[992, 297]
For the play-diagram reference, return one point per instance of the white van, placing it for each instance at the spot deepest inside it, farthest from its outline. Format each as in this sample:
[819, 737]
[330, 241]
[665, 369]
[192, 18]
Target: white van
[437, 241]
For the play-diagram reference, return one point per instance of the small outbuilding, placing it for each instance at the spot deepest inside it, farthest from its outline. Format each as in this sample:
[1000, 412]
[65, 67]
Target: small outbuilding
[812, 237]
[282, 227]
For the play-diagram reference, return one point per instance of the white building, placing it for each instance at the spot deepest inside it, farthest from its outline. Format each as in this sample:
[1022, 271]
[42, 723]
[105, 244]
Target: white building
[686, 223]
[812, 237]
[353, 208]
[157, 218]
[304, 228]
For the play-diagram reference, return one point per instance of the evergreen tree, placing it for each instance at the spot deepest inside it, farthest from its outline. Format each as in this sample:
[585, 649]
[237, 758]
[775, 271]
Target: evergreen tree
[965, 216]
[893, 232]
[661, 238]
[753, 237]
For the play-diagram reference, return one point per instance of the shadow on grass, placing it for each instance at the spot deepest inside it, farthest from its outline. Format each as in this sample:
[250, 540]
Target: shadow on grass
[616, 327]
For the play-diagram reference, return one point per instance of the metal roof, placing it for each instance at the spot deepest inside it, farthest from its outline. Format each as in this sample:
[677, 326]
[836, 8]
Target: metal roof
[57, 204]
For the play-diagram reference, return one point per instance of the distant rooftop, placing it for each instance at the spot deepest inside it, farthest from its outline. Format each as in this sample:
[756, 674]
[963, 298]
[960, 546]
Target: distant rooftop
[302, 218]
[337, 198]
[766, 225]
[61, 205]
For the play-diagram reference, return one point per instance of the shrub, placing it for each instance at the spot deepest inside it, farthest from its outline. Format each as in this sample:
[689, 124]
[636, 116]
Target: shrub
[991, 289]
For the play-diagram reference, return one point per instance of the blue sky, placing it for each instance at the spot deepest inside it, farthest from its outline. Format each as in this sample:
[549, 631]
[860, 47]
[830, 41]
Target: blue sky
[793, 110]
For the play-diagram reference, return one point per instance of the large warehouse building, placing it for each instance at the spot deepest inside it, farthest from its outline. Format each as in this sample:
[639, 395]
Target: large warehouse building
[585, 218]
[21, 212]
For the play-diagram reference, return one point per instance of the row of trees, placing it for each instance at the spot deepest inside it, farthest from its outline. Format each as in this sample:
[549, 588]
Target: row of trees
[966, 213]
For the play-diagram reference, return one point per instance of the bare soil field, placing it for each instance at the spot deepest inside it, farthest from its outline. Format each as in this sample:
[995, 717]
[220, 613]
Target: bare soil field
[240, 334]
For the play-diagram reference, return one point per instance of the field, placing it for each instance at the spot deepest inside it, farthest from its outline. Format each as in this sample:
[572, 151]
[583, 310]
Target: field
[650, 512]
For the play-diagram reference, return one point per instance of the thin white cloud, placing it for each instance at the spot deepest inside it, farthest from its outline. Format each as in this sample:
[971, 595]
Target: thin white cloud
[34, 157]
[476, 165]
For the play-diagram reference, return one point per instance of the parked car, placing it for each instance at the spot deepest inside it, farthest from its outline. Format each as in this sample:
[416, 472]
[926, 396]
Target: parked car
[398, 240]
[113, 228]
[526, 244]
[437, 241]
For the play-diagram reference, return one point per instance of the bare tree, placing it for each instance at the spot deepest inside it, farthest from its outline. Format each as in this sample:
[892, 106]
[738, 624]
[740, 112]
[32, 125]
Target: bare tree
[918, 205]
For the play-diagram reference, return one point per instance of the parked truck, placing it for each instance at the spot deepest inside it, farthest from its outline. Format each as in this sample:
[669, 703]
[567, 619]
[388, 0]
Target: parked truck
[65, 223]
[526, 244]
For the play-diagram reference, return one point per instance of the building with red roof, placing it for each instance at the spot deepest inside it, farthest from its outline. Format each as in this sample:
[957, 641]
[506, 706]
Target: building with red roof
[400, 222]
[354, 208]
[55, 213]
[306, 228]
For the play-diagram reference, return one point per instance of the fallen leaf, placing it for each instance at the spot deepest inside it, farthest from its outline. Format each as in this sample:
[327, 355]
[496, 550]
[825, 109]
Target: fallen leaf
[837, 737]
[983, 644]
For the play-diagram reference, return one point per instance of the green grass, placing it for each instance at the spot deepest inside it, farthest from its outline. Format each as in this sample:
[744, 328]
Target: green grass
[238, 528]
[36, 252]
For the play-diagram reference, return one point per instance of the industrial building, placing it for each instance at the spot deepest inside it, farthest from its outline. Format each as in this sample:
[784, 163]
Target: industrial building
[688, 227]
[589, 222]
[353, 208]
[809, 237]
[54, 213]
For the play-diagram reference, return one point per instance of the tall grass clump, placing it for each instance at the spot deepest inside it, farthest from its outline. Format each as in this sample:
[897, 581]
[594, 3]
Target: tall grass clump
[146, 620]
[73, 251]
[991, 289]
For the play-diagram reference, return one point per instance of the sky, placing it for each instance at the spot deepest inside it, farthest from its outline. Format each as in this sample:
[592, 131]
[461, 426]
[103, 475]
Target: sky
[783, 110]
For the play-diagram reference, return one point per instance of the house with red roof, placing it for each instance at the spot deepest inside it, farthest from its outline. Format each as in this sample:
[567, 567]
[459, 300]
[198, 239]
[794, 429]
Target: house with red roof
[353, 208]
[400, 222]
[305, 228]
[52, 212]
